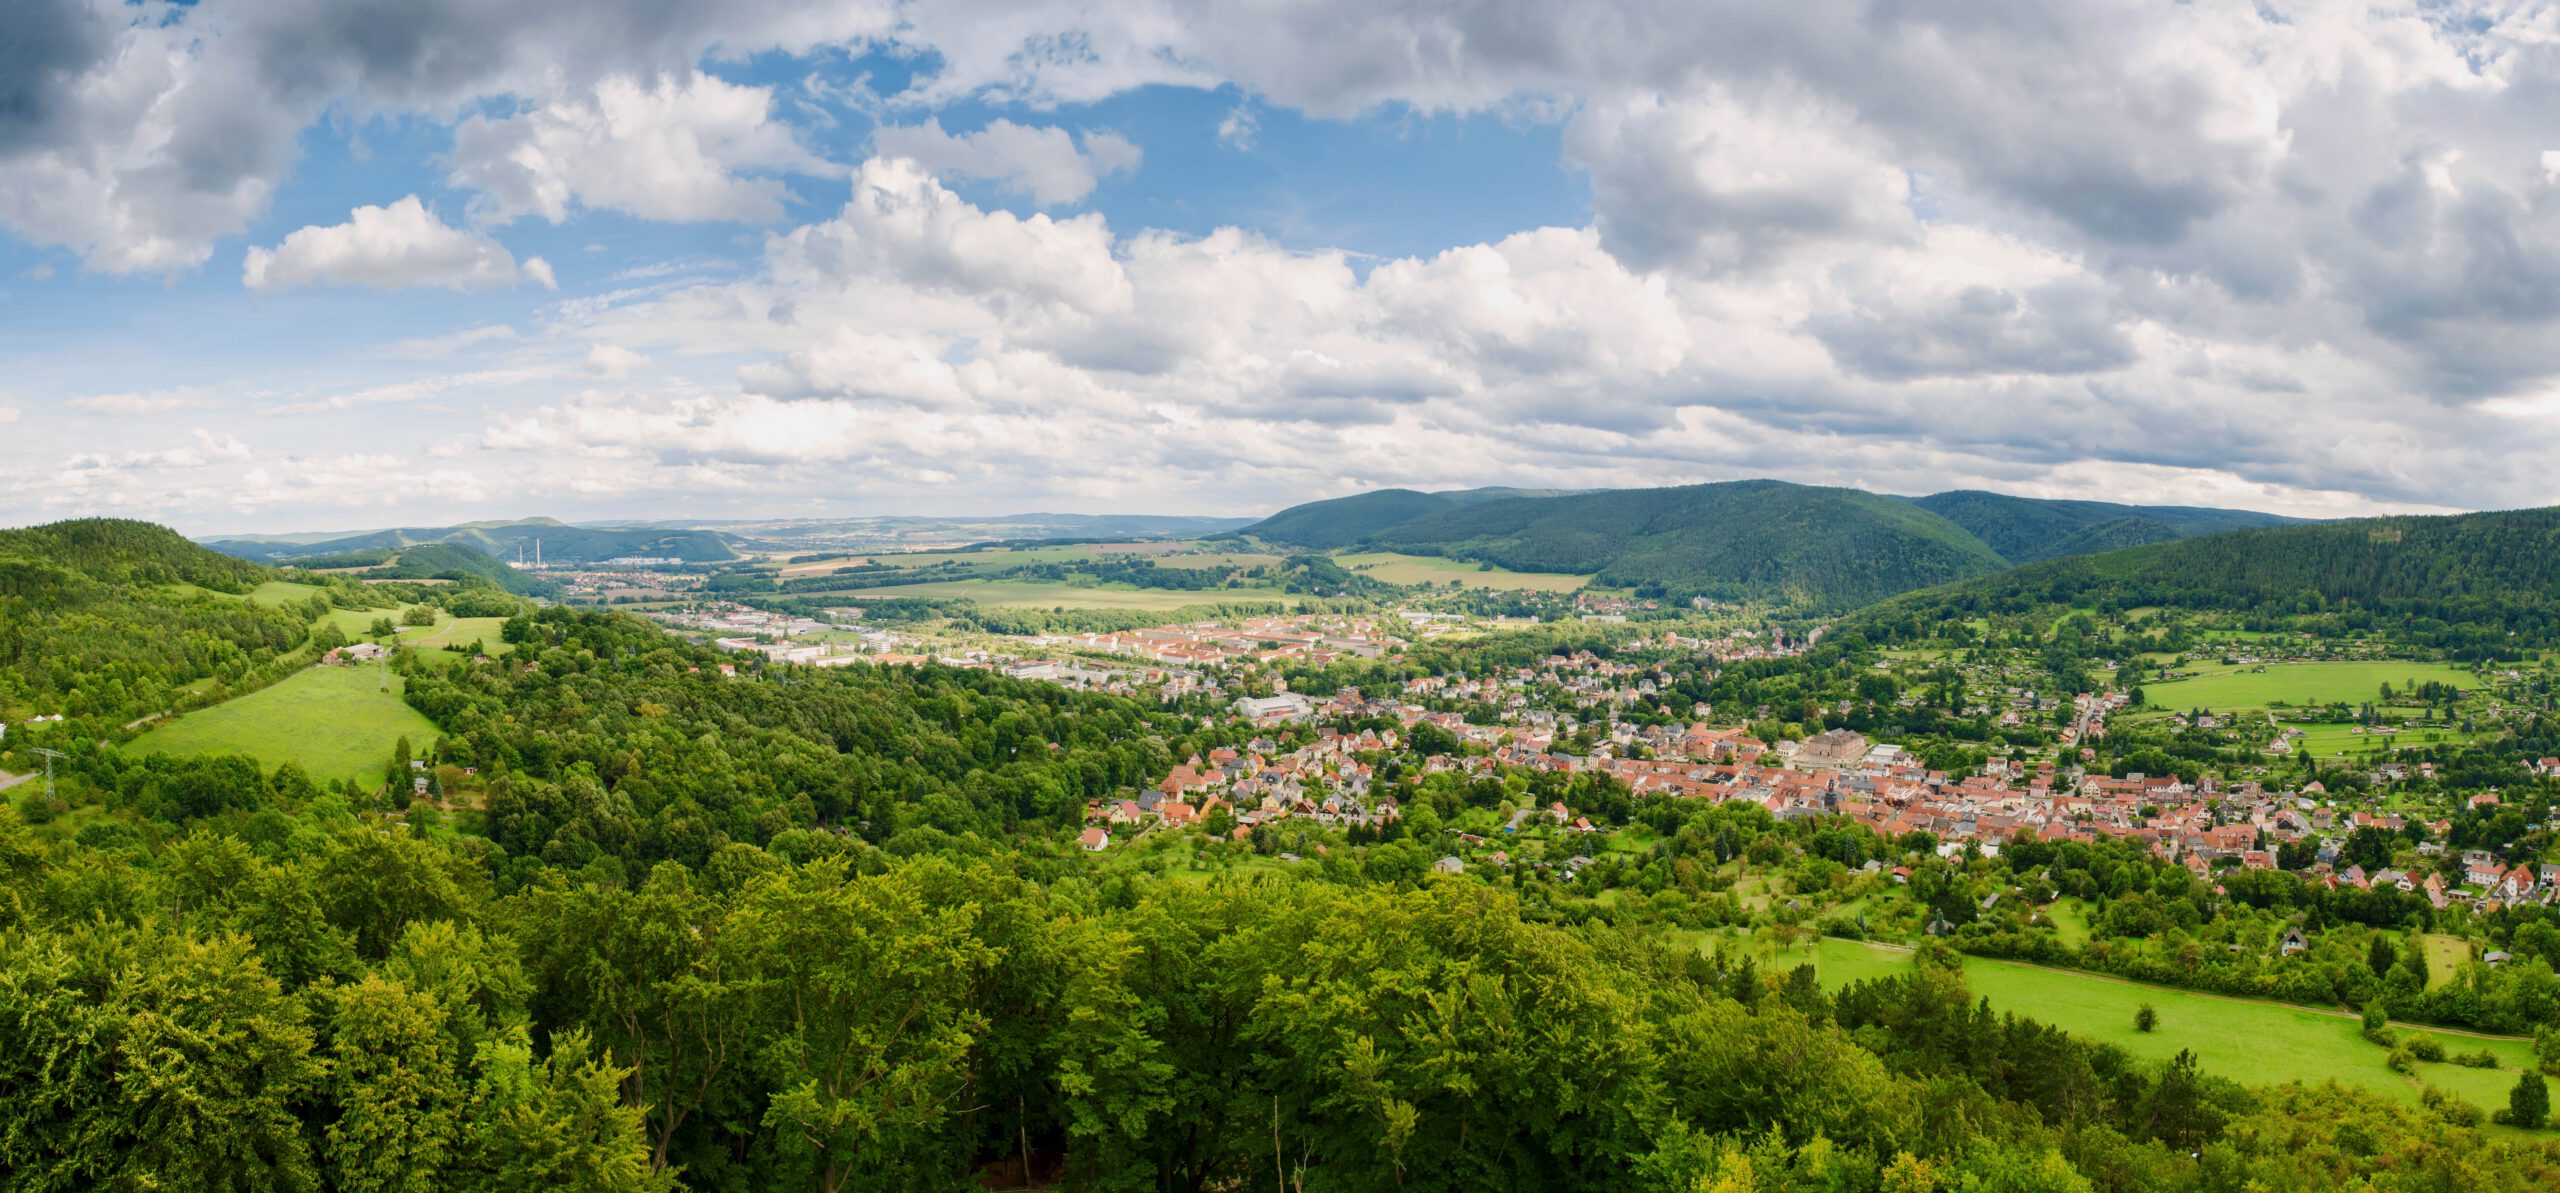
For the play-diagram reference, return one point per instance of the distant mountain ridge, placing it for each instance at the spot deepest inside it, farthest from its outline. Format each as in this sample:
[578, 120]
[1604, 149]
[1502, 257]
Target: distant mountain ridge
[557, 542]
[2030, 529]
[1808, 545]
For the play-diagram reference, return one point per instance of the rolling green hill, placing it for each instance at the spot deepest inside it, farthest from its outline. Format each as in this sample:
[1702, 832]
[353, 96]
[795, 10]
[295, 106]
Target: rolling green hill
[2028, 529]
[2466, 581]
[559, 542]
[1817, 547]
[1342, 521]
[101, 617]
[1738, 540]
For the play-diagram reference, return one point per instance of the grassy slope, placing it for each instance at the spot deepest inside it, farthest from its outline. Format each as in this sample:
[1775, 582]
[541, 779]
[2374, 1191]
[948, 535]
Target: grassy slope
[2229, 688]
[335, 721]
[2249, 1041]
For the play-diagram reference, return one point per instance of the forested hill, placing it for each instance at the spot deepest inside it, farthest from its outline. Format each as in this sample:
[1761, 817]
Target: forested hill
[2484, 575]
[121, 551]
[558, 542]
[1820, 548]
[1739, 540]
[2027, 529]
[106, 616]
[1344, 521]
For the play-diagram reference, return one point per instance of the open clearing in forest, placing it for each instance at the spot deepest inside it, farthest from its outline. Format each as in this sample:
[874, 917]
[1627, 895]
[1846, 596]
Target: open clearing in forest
[2229, 688]
[336, 721]
[1395, 568]
[2247, 1040]
[430, 641]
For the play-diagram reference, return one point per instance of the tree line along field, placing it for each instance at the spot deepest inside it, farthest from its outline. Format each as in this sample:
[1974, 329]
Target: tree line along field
[2227, 688]
[1397, 568]
[336, 722]
[2246, 1040]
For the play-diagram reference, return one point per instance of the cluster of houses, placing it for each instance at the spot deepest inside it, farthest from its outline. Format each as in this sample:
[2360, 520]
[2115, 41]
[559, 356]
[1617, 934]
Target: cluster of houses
[1325, 781]
[1840, 773]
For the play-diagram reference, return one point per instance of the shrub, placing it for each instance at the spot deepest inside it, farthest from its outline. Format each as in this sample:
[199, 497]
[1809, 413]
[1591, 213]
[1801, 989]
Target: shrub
[2426, 1048]
[2402, 1060]
[2529, 1103]
[2483, 1059]
[2145, 1019]
[2449, 1108]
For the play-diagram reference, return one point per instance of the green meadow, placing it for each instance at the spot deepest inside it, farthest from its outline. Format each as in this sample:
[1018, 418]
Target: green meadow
[2229, 688]
[336, 721]
[2253, 1042]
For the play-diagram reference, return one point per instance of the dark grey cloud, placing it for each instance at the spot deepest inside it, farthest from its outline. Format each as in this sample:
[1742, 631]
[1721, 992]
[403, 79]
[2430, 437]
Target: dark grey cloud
[44, 45]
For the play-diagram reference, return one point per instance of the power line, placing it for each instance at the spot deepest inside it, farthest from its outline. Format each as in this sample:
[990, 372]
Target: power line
[49, 756]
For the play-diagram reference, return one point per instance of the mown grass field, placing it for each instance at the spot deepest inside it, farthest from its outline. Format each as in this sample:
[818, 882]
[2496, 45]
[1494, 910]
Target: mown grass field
[2252, 1042]
[1017, 594]
[1396, 568]
[336, 721]
[2224, 689]
[277, 592]
[2332, 741]
[449, 630]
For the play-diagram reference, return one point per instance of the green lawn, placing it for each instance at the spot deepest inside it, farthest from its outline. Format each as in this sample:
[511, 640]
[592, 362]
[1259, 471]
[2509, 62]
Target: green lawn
[276, 592]
[2445, 957]
[357, 625]
[2249, 1041]
[2221, 688]
[1396, 568]
[336, 721]
[2070, 921]
[2331, 741]
[1016, 594]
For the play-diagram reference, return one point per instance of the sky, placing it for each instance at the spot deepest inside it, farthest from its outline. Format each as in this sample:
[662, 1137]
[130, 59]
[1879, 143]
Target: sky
[275, 265]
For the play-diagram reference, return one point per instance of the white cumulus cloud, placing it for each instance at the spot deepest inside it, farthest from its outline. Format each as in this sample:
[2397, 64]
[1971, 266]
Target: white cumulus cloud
[1050, 165]
[391, 248]
[676, 148]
